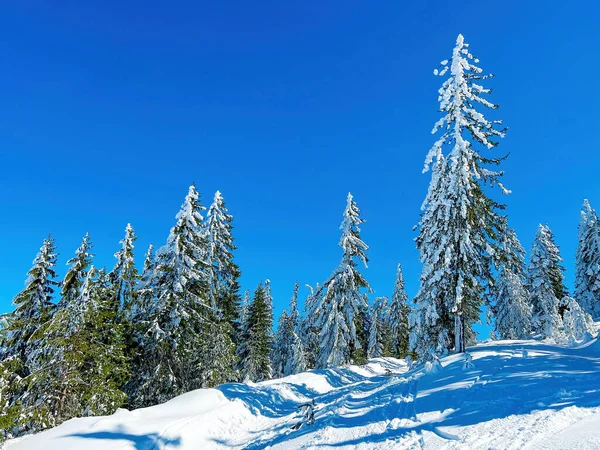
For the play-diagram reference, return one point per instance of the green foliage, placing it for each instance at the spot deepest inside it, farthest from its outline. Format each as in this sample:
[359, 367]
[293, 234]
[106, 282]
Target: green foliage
[256, 365]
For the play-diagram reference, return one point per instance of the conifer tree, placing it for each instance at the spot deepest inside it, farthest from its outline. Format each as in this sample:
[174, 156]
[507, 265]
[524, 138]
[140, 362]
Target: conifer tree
[242, 349]
[587, 276]
[578, 325]
[145, 289]
[338, 303]
[33, 305]
[256, 365]
[399, 313]
[460, 223]
[172, 327]
[223, 271]
[77, 273]
[124, 275]
[309, 333]
[380, 329]
[288, 355]
[512, 309]
[430, 322]
[541, 283]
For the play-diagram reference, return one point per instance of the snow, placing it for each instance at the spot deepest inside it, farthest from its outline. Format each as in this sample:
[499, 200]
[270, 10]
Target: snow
[505, 400]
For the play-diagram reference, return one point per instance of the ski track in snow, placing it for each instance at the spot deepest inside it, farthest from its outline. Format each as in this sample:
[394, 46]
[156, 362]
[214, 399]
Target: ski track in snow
[549, 399]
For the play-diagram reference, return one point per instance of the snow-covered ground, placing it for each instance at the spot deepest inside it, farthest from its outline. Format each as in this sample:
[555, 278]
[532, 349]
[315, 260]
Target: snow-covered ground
[519, 394]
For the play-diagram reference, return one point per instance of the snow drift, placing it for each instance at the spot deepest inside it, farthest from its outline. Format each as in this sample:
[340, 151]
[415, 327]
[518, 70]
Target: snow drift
[514, 394]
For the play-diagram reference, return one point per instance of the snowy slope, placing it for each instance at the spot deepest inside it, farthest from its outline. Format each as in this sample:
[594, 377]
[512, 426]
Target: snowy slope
[545, 397]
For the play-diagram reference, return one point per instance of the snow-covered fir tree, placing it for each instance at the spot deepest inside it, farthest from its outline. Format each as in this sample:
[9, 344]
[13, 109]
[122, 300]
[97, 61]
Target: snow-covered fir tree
[379, 329]
[18, 340]
[399, 312]
[309, 333]
[172, 328]
[77, 272]
[541, 283]
[256, 363]
[459, 223]
[145, 288]
[578, 326]
[287, 356]
[124, 275]
[512, 309]
[430, 321]
[587, 263]
[338, 303]
[223, 271]
[33, 305]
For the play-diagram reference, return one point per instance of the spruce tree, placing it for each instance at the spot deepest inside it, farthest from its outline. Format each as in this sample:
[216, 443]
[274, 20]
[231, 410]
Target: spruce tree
[77, 273]
[578, 325]
[223, 271]
[256, 365]
[459, 226]
[287, 355]
[541, 283]
[171, 329]
[340, 303]
[512, 309]
[380, 336]
[124, 275]
[309, 333]
[145, 289]
[587, 263]
[430, 321]
[399, 313]
[33, 305]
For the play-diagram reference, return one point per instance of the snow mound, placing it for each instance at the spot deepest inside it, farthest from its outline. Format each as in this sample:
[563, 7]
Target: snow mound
[512, 395]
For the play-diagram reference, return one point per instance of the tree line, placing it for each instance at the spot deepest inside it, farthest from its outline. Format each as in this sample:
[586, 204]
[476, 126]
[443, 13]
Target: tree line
[100, 339]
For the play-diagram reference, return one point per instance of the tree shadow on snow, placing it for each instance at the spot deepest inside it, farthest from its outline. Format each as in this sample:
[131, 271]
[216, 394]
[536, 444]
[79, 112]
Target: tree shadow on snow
[149, 441]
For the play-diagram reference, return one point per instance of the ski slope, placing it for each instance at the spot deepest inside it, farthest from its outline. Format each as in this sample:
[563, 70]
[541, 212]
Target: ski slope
[517, 395]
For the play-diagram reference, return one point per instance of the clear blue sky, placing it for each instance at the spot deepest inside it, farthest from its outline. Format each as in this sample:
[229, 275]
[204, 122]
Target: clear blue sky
[109, 110]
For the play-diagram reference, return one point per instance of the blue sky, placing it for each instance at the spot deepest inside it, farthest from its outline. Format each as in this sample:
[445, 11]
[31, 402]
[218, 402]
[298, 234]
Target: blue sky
[109, 110]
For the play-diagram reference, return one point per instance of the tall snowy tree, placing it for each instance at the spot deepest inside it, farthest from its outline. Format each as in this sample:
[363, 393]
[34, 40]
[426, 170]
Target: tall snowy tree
[145, 289]
[223, 271]
[124, 275]
[173, 324]
[339, 301]
[460, 221]
[430, 321]
[309, 333]
[33, 304]
[587, 263]
[380, 335]
[256, 365]
[77, 272]
[18, 340]
[288, 354]
[541, 283]
[399, 313]
[512, 308]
